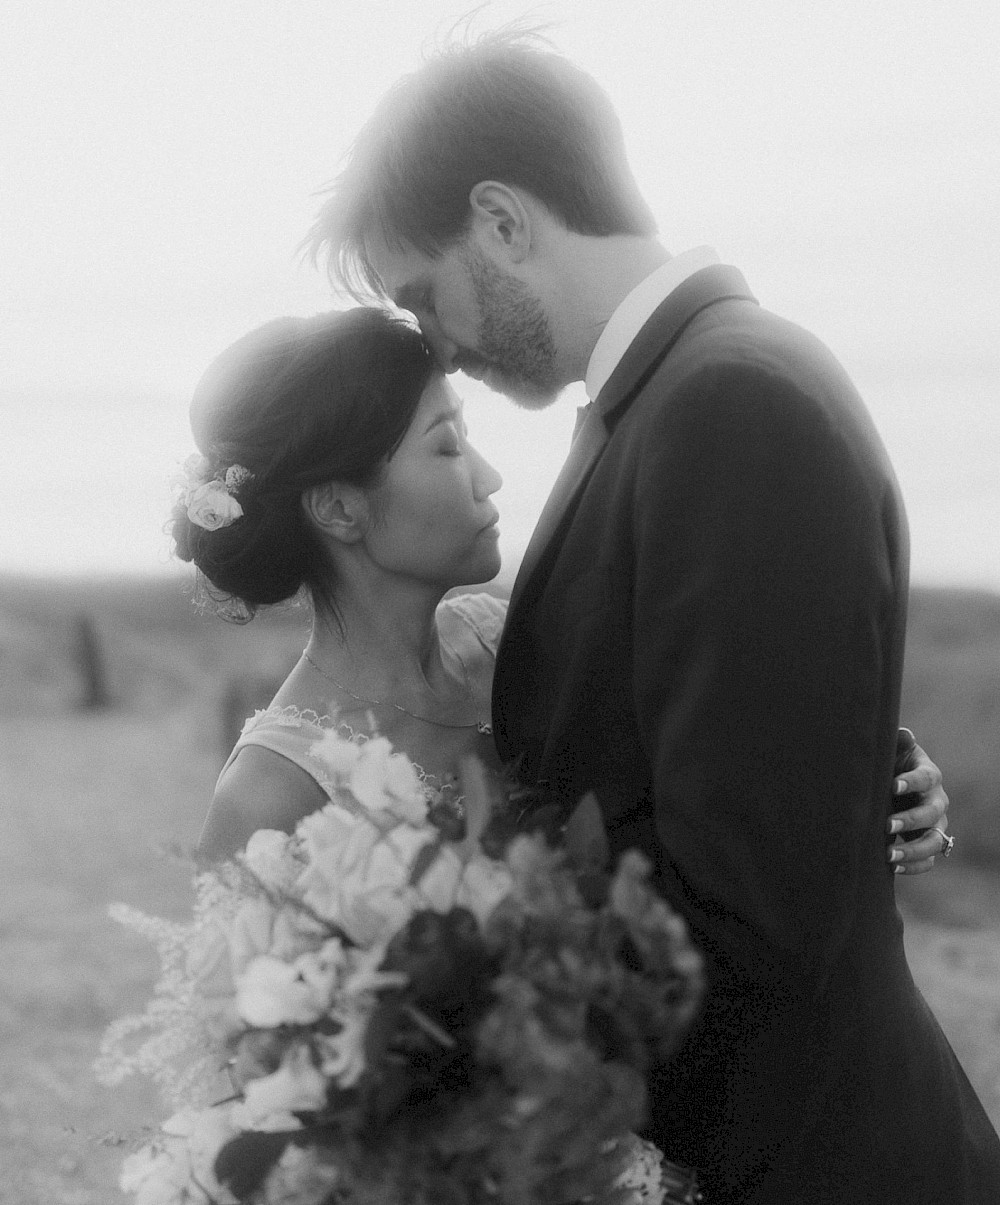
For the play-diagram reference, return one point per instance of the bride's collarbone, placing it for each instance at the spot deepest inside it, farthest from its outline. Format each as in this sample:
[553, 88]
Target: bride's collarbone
[434, 732]
[438, 752]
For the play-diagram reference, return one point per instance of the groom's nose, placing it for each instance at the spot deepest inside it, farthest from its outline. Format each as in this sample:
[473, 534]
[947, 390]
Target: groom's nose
[445, 351]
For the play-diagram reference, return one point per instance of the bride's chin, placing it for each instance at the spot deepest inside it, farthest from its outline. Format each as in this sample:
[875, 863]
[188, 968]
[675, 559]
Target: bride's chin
[479, 575]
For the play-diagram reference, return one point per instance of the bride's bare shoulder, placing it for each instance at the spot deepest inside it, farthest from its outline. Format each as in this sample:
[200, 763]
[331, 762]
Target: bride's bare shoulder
[258, 789]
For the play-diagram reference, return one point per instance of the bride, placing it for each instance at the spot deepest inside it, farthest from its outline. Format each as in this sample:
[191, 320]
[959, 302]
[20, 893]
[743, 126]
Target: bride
[335, 460]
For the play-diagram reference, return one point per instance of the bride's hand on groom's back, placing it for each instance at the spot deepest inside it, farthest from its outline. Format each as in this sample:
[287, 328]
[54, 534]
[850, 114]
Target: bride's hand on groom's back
[917, 834]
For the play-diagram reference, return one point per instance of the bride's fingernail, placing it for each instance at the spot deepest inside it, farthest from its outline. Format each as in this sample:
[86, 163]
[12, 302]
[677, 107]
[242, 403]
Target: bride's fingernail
[895, 825]
[895, 855]
[898, 870]
[900, 786]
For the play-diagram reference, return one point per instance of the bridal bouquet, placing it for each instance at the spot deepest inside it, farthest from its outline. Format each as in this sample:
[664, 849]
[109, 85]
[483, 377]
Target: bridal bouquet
[374, 1010]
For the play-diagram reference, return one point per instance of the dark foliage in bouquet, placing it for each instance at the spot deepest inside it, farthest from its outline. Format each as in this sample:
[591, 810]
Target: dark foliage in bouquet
[486, 1040]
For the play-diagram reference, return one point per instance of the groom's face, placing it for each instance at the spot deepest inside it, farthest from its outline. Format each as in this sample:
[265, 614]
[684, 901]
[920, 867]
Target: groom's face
[476, 316]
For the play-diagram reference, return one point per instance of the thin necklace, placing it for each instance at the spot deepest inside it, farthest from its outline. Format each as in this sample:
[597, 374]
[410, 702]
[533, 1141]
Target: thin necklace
[480, 725]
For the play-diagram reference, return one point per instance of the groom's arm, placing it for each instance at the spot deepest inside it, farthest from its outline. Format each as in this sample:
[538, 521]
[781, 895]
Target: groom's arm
[764, 604]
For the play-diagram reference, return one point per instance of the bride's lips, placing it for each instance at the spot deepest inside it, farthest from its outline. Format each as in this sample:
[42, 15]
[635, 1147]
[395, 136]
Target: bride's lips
[492, 527]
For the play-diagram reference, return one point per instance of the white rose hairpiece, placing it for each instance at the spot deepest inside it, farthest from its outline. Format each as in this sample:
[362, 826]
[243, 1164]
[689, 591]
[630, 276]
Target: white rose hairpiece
[207, 496]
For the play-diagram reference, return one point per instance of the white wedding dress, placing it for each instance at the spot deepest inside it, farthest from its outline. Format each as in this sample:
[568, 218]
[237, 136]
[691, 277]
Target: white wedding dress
[292, 733]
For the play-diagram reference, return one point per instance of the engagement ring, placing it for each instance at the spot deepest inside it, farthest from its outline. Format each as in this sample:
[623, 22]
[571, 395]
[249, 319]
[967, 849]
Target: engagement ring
[949, 842]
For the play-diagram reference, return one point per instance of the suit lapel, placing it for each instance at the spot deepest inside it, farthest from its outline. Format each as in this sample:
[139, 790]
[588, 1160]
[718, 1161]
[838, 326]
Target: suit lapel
[647, 350]
[662, 330]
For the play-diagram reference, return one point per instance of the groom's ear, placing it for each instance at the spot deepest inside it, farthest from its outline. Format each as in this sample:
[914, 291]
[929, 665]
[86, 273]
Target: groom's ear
[501, 220]
[338, 511]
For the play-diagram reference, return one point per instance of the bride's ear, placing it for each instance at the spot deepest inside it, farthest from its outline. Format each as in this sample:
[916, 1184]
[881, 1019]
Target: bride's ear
[338, 511]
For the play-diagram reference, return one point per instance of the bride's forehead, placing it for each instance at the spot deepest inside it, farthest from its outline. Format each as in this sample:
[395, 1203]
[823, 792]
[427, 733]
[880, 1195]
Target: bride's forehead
[439, 396]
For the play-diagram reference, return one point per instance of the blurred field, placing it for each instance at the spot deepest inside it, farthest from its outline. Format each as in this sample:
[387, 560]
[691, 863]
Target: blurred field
[92, 799]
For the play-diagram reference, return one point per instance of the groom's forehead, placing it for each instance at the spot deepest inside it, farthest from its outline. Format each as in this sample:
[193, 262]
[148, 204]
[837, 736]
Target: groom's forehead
[400, 267]
[410, 276]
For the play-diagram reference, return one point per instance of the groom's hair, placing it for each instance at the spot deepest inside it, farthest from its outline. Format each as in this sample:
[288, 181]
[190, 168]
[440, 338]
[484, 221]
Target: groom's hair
[502, 108]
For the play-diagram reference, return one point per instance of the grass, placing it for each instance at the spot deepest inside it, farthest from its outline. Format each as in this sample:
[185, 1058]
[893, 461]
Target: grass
[91, 800]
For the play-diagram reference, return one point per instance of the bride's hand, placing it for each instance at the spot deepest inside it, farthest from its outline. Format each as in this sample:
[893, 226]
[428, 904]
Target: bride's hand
[917, 834]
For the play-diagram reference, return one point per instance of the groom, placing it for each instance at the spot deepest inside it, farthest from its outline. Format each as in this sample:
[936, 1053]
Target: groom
[709, 616]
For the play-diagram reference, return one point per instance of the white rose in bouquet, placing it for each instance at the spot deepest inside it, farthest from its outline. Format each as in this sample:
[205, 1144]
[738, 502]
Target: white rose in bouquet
[273, 992]
[358, 877]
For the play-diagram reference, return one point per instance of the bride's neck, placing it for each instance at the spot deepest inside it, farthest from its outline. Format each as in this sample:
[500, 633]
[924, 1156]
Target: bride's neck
[382, 644]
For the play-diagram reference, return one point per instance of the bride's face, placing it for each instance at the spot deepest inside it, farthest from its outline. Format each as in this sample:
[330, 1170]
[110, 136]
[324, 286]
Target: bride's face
[432, 518]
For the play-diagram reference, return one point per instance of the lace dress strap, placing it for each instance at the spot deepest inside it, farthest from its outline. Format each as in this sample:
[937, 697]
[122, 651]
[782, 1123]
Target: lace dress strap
[291, 733]
[483, 614]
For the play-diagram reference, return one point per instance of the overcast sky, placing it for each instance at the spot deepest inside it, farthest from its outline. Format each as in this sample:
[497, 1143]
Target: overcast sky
[159, 161]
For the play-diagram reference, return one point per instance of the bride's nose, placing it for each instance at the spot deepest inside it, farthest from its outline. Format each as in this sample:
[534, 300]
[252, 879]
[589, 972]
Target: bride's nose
[486, 480]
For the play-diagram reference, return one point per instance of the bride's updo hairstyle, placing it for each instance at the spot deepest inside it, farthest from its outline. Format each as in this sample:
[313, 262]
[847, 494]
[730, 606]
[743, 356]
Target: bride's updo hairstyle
[297, 402]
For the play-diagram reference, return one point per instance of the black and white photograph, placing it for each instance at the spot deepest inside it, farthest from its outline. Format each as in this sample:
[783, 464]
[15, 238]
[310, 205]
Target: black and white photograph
[500, 603]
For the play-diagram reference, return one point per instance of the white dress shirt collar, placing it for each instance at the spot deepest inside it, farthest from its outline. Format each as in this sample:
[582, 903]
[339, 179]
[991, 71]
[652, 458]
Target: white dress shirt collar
[631, 315]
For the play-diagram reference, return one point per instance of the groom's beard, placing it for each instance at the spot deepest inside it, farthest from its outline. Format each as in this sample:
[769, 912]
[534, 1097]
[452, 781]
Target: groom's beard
[516, 355]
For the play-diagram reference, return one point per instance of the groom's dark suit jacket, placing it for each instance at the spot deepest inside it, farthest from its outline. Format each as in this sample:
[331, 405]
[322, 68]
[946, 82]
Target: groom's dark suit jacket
[707, 631]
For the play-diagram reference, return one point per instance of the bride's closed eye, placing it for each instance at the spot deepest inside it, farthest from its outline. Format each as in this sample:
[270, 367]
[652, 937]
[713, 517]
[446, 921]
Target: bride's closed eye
[451, 442]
